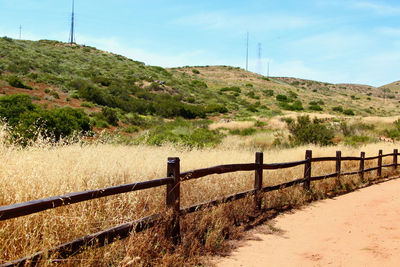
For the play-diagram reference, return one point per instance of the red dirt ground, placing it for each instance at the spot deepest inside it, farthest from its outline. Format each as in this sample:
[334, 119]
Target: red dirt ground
[358, 229]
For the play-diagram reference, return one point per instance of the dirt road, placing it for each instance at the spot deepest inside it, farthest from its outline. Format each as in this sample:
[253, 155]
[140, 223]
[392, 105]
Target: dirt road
[358, 229]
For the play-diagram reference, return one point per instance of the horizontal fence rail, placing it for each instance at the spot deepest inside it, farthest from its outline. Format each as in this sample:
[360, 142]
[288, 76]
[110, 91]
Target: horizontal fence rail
[173, 198]
[34, 206]
[217, 170]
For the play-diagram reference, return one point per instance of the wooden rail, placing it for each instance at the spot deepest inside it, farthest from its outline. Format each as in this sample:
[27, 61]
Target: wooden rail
[173, 198]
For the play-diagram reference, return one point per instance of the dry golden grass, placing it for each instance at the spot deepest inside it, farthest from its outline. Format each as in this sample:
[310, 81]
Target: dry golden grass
[232, 125]
[44, 170]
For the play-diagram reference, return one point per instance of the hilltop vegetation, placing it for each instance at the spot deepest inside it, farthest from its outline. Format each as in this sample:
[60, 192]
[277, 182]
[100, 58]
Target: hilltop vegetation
[137, 101]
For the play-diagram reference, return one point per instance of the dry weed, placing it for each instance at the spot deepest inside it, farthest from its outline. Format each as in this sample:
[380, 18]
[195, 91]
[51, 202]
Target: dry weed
[44, 170]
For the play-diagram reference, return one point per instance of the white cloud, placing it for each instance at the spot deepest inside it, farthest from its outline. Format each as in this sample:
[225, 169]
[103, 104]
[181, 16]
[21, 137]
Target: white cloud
[198, 57]
[379, 8]
[254, 23]
[299, 69]
[389, 31]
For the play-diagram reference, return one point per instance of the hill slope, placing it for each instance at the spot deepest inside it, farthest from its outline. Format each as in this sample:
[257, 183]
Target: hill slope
[61, 74]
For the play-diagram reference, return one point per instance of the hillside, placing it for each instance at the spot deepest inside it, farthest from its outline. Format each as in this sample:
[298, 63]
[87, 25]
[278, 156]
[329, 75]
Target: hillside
[364, 100]
[128, 96]
[116, 81]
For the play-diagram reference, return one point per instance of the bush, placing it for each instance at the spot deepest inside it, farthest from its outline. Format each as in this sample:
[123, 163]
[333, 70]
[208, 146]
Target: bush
[296, 106]
[282, 98]
[231, 89]
[28, 120]
[198, 84]
[268, 92]
[131, 129]
[16, 81]
[337, 109]
[315, 107]
[195, 71]
[348, 112]
[243, 132]
[216, 108]
[54, 94]
[305, 131]
[110, 115]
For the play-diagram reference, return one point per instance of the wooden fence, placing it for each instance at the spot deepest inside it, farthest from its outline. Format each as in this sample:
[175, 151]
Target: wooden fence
[172, 182]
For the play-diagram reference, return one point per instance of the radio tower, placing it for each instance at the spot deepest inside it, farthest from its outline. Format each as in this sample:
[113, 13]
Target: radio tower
[247, 52]
[72, 33]
[259, 62]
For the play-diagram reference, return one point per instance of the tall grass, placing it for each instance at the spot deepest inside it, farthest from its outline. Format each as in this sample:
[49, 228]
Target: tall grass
[42, 170]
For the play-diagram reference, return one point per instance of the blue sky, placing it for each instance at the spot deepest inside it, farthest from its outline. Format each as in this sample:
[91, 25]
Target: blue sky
[339, 41]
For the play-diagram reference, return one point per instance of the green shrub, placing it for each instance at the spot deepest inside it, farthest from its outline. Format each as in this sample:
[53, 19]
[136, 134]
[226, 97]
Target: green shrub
[357, 140]
[54, 94]
[110, 115]
[259, 124]
[87, 104]
[292, 95]
[251, 94]
[191, 99]
[216, 108]
[268, 92]
[348, 112]
[252, 108]
[198, 84]
[282, 98]
[243, 132]
[248, 131]
[319, 102]
[296, 106]
[28, 120]
[337, 109]
[195, 71]
[16, 81]
[131, 129]
[305, 131]
[231, 89]
[315, 107]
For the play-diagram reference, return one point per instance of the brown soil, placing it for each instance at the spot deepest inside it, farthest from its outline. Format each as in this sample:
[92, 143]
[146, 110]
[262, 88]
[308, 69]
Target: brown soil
[357, 229]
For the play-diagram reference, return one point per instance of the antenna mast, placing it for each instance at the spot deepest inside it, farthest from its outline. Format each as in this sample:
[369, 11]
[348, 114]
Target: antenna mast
[72, 34]
[247, 52]
[259, 62]
[20, 31]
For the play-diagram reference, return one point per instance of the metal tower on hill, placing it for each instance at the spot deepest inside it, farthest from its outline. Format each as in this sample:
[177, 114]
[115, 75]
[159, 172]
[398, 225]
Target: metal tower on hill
[259, 61]
[72, 33]
[247, 52]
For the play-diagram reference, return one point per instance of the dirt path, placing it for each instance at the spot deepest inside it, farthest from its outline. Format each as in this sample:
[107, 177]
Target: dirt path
[358, 229]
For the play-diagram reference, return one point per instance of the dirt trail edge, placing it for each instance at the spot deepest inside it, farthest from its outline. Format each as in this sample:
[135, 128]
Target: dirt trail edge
[358, 229]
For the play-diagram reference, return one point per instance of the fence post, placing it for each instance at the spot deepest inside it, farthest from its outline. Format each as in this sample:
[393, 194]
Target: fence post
[173, 198]
[258, 182]
[379, 172]
[362, 167]
[395, 153]
[338, 164]
[307, 170]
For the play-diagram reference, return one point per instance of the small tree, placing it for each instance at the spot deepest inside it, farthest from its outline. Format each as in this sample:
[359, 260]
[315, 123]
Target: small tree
[305, 131]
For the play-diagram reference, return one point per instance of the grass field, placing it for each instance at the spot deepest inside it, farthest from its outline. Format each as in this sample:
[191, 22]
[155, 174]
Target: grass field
[44, 170]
